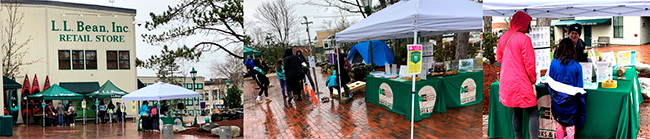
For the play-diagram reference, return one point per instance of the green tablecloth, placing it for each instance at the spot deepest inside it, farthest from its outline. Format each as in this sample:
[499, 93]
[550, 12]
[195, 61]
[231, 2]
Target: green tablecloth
[631, 75]
[463, 89]
[433, 95]
[395, 95]
[610, 114]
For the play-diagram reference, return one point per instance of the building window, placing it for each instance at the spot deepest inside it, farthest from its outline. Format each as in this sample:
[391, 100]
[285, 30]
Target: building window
[124, 60]
[64, 59]
[198, 86]
[618, 26]
[188, 85]
[111, 60]
[91, 59]
[189, 101]
[77, 59]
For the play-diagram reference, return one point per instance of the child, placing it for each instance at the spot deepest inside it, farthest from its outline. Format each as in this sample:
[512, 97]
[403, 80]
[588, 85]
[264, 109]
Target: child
[259, 72]
[332, 84]
[565, 87]
[279, 70]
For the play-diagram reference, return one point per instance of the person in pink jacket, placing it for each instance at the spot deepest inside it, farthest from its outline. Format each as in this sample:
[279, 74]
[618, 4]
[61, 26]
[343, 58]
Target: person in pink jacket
[518, 75]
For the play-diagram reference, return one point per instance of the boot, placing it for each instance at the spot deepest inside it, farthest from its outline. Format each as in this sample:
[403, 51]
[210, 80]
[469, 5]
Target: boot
[570, 132]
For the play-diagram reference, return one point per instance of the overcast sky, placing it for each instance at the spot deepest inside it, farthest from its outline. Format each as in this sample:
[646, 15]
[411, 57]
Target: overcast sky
[315, 14]
[144, 50]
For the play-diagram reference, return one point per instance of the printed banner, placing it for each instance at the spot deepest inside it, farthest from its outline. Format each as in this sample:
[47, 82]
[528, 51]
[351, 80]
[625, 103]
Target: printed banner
[468, 91]
[427, 99]
[414, 59]
[386, 95]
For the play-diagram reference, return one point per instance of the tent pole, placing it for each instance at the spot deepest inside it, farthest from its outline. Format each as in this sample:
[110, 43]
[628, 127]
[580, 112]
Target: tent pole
[84, 112]
[415, 41]
[372, 58]
[27, 123]
[44, 114]
[338, 68]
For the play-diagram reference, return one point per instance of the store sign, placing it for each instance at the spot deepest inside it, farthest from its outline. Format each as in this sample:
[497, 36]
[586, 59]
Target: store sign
[414, 59]
[468, 91]
[386, 95]
[547, 123]
[427, 99]
[69, 32]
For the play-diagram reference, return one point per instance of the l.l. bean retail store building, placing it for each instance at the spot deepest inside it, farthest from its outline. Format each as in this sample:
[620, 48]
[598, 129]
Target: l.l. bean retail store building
[78, 46]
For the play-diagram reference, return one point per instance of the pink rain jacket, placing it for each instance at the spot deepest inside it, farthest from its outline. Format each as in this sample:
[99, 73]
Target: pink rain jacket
[517, 65]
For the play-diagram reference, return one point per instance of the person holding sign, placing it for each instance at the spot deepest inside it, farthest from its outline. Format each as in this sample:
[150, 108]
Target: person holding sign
[518, 74]
[566, 89]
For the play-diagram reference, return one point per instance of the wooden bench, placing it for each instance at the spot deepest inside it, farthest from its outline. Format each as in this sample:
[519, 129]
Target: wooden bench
[602, 41]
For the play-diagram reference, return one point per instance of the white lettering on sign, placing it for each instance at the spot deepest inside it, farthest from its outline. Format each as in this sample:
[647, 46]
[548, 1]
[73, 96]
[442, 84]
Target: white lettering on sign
[386, 95]
[427, 99]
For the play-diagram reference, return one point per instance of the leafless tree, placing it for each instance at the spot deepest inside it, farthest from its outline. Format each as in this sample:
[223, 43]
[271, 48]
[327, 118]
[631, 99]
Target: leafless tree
[280, 18]
[341, 22]
[231, 68]
[14, 44]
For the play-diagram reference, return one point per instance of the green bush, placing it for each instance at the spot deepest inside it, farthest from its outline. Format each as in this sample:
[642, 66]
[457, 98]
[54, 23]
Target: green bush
[490, 41]
[234, 97]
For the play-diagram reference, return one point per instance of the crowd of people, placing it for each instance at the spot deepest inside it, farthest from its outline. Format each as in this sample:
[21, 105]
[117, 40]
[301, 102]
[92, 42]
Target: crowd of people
[293, 73]
[150, 115]
[565, 80]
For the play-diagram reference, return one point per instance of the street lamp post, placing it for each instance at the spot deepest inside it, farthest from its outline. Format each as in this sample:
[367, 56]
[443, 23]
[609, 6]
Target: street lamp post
[193, 73]
[227, 96]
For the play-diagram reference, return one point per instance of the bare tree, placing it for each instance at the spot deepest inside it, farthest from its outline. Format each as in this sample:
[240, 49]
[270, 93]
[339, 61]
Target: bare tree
[280, 18]
[231, 68]
[543, 22]
[350, 6]
[462, 44]
[14, 51]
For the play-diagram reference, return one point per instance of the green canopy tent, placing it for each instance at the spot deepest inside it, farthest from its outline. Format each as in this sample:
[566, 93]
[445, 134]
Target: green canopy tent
[108, 90]
[250, 51]
[10, 84]
[55, 92]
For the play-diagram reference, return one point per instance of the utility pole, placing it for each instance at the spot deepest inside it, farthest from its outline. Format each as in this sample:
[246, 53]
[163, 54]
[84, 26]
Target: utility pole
[313, 53]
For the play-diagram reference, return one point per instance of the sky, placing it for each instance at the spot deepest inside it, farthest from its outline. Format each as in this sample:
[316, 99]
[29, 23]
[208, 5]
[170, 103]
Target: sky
[144, 50]
[315, 14]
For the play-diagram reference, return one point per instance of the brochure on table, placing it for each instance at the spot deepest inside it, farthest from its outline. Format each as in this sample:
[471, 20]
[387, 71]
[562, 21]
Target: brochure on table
[427, 58]
[603, 70]
[626, 58]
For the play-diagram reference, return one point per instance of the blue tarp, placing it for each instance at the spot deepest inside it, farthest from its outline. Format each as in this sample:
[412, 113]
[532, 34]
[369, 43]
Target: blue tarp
[381, 53]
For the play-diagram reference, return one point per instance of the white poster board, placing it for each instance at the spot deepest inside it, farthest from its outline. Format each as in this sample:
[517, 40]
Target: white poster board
[609, 57]
[312, 62]
[540, 37]
[466, 65]
[603, 71]
[587, 68]
[626, 57]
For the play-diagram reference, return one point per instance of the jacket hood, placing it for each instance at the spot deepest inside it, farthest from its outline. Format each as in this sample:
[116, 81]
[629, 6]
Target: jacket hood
[520, 22]
[334, 73]
[257, 63]
[287, 52]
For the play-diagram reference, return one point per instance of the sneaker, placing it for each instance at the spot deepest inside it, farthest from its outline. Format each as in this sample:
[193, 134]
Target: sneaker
[259, 101]
[268, 99]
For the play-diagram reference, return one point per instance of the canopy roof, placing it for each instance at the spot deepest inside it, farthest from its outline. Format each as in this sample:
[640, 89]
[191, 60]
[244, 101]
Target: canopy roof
[81, 87]
[161, 91]
[566, 8]
[55, 92]
[251, 51]
[428, 17]
[108, 90]
[10, 84]
[604, 21]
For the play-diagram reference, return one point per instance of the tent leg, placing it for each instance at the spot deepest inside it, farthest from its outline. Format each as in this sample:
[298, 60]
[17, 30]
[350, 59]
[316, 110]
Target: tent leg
[27, 123]
[415, 41]
[338, 74]
[84, 113]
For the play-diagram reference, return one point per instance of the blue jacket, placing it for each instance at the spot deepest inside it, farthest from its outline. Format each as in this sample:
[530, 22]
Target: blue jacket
[331, 81]
[250, 64]
[568, 104]
[144, 109]
[280, 73]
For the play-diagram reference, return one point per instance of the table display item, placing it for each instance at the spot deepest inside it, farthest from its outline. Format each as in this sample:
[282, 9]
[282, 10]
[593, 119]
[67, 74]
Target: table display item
[587, 68]
[603, 71]
[626, 57]
[540, 37]
[411, 78]
[609, 84]
[466, 65]
[621, 71]
[478, 64]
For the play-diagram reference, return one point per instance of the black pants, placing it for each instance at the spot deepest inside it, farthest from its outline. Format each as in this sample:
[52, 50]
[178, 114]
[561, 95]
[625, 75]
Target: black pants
[71, 119]
[264, 88]
[294, 87]
[311, 82]
[533, 121]
[101, 116]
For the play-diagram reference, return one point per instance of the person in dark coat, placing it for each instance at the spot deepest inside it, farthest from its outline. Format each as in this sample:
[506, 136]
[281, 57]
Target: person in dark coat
[293, 73]
[579, 44]
[305, 69]
[343, 75]
[259, 72]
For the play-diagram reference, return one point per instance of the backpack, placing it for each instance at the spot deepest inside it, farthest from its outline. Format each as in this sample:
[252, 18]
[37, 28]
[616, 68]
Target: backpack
[154, 111]
[347, 65]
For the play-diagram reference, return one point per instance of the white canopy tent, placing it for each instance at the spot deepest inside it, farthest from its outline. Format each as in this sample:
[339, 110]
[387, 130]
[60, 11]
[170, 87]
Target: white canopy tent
[161, 91]
[566, 8]
[413, 18]
[428, 17]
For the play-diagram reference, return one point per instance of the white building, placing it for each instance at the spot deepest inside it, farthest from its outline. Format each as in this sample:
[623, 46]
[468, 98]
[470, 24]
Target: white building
[192, 106]
[621, 30]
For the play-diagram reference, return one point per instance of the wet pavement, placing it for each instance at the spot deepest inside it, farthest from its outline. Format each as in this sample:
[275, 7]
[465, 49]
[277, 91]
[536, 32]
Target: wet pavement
[91, 130]
[355, 119]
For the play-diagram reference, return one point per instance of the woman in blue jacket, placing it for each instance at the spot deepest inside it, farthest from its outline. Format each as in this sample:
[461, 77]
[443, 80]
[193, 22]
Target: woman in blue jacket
[565, 87]
[144, 112]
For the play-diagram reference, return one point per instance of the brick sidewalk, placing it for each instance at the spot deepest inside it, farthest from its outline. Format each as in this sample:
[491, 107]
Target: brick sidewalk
[356, 119]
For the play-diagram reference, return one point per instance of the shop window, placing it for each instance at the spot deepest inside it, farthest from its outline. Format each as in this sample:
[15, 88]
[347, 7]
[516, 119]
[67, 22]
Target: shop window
[198, 86]
[64, 59]
[111, 60]
[189, 102]
[124, 60]
[188, 85]
[91, 59]
[77, 59]
[618, 26]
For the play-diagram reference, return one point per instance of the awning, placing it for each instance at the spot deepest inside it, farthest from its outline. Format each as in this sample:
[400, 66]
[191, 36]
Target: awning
[108, 90]
[566, 8]
[251, 51]
[81, 87]
[587, 22]
[55, 93]
[140, 84]
[10, 84]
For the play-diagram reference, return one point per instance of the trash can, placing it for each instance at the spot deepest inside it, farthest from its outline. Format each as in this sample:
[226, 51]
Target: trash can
[6, 125]
[207, 120]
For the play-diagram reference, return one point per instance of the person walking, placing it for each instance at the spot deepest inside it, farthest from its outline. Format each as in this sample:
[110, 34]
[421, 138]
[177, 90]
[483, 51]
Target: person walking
[259, 71]
[518, 74]
[60, 111]
[72, 113]
[279, 70]
[102, 111]
[111, 110]
[305, 69]
[344, 76]
[144, 113]
[293, 74]
[50, 112]
[566, 89]
[332, 84]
